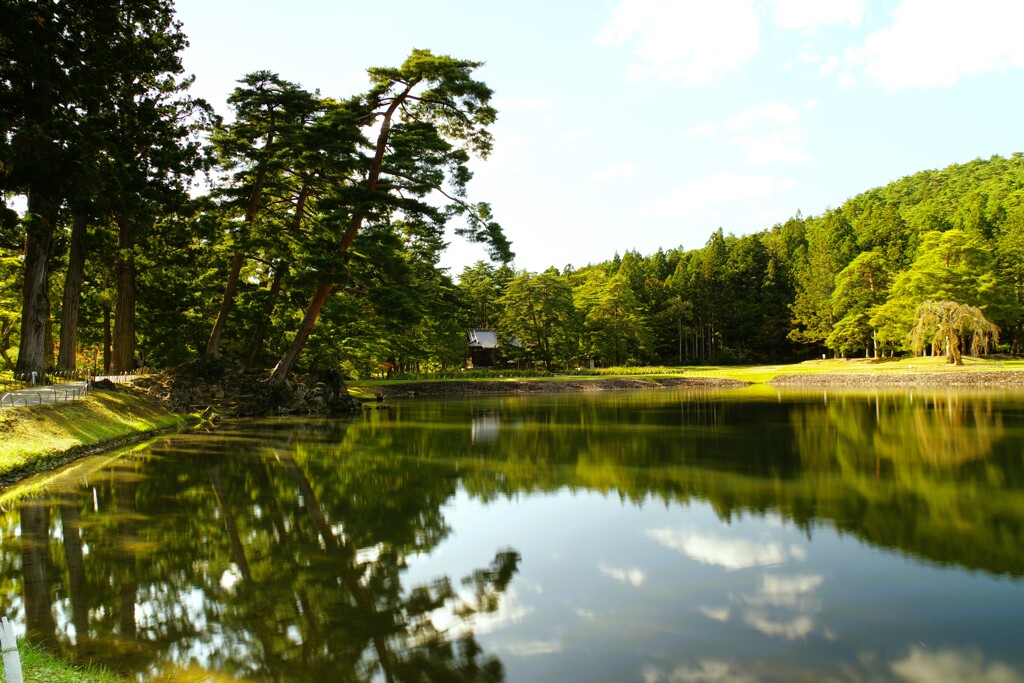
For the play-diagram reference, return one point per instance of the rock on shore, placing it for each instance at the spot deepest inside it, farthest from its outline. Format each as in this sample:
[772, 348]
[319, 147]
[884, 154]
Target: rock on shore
[218, 389]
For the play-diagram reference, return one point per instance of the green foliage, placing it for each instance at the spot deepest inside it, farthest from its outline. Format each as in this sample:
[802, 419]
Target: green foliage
[614, 328]
[539, 320]
[944, 325]
[860, 287]
[334, 210]
[950, 266]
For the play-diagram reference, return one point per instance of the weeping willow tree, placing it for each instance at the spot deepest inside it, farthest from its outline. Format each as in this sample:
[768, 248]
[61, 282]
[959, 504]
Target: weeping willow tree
[945, 325]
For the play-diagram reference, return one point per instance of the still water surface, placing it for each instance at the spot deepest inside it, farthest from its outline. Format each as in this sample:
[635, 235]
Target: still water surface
[672, 536]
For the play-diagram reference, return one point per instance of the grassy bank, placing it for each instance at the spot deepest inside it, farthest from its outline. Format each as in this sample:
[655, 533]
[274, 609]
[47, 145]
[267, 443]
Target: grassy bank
[42, 437]
[38, 665]
[757, 374]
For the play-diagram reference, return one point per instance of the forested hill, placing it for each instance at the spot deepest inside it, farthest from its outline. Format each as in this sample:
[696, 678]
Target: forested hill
[846, 282]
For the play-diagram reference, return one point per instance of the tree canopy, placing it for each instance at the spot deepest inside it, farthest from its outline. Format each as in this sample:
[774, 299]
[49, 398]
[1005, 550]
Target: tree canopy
[306, 230]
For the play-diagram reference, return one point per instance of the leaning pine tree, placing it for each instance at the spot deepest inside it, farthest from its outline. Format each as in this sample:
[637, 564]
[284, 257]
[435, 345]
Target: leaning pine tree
[946, 324]
[431, 115]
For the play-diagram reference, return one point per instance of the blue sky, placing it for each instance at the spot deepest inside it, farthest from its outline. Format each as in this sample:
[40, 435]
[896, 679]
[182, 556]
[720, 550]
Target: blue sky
[639, 124]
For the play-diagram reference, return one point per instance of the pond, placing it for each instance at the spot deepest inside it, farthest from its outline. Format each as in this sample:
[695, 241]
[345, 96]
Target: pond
[662, 536]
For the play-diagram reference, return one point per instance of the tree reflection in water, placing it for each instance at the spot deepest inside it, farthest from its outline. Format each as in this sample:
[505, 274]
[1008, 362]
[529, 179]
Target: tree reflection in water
[281, 564]
[280, 550]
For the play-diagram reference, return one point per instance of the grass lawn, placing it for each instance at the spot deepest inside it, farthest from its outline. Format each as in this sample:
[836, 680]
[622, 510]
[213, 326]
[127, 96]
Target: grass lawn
[757, 374]
[41, 667]
[766, 373]
[38, 438]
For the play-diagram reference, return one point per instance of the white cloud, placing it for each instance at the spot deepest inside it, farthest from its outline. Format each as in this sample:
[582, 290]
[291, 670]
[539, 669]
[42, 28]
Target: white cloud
[785, 605]
[771, 113]
[782, 147]
[829, 66]
[793, 629]
[707, 671]
[784, 595]
[623, 170]
[716, 613]
[788, 591]
[778, 137]
[634, 576]
[730, 553]
[510, 611]
[721, 188]
[577, 135]
[692, 42]
[810, 14]
[953, 666]
[702, 130]
[533, 648]
[938, 42]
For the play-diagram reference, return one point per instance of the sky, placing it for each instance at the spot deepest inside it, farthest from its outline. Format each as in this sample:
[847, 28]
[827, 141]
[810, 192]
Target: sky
[646, 124]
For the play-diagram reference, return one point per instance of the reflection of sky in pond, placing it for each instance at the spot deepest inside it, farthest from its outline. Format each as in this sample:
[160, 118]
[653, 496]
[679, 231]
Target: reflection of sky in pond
[634, 538]
[654, 593]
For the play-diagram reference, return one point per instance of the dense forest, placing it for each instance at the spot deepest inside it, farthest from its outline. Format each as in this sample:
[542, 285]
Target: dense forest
[305, 231]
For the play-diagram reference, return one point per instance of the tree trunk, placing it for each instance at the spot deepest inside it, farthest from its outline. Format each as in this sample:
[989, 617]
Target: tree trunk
[48, 338]
[237, 261]
[107, 340]
[71, 532]
[6, 331]
[35, 561]
[364, 602]
[291, 355]
[124, 306]
[213, 345]
[256, 347]
[125, 575]
[66, 356]
[35, 307]
[230, 524]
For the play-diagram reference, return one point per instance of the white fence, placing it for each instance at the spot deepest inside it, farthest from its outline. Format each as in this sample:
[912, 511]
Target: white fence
[57, 387]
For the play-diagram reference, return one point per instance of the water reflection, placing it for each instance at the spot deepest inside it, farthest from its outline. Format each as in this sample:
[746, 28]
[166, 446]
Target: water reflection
[464, 540]
[278, 566]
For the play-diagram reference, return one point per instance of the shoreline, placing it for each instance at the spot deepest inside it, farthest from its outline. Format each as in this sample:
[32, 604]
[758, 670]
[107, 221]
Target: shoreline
[47, 461]
[950, 378]
[44, 439]
[498, 387]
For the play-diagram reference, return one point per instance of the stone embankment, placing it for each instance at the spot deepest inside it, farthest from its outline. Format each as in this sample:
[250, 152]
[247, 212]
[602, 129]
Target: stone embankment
[951, 378]
[215, 388]
[560, 386]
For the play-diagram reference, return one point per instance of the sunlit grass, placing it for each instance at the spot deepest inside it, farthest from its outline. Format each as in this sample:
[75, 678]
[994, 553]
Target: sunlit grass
[32, 439]
[757, 374]
[42, 667]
